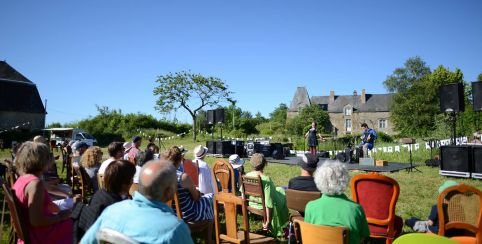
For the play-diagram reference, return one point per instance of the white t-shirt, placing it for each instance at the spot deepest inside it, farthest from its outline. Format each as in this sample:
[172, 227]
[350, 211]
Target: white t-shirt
[136, 175]
[104, 165]
[206, 182]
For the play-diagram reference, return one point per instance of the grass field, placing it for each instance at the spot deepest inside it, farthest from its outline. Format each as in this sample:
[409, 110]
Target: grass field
[418, 190]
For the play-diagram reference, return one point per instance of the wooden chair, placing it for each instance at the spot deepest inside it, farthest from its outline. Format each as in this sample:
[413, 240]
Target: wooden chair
[202, 226]
[253, 192]
[223, 173]
[460, 208]
[314, 234]
[296, 201]
[18, 219]
[230, 202]
[378, 195]
[11, 173]
[86, 187]
[114, 237]
[100, 180]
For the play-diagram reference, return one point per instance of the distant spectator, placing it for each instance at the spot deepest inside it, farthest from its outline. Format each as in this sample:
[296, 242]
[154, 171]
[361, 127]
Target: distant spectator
[206, 181]
[238, 169]
[146, 218]
[305, 182]
[334, 208]
[116, 152]
[46, 223]
[134, 149]
[275, 199]
[78, 149]
[117, 182]
[91, 162]
[14, 150]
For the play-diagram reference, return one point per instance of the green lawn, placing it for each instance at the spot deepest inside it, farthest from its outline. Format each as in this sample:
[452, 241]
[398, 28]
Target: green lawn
[418, 190]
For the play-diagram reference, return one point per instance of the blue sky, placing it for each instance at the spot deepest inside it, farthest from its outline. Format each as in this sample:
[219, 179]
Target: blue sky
[109, 53]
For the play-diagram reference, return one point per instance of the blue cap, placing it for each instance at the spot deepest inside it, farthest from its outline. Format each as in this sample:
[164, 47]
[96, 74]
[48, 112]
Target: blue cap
[136, 139]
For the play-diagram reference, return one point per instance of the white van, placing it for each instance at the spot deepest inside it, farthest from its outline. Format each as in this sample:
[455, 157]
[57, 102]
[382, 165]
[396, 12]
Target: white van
[71, 134]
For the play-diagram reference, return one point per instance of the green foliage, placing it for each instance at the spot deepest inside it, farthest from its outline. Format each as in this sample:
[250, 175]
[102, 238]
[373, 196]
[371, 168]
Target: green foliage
[54, 125]
[403, 78]
[111, 124]
[479, 77]
[415, 107]
[191, 92]
[302, 122]
[383, 137]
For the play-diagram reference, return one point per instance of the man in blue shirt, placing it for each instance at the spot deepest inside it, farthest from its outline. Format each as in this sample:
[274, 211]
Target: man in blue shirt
[368, 139]
[146, 218]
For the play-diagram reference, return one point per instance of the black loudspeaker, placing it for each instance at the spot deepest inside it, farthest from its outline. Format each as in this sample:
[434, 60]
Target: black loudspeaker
[211, 117]
[224, 148]
[477, 95]
[220, 115]
[211, 145]
[238, 147]
[477, 162]
[452, 98]
[456, 160]
[277, 151]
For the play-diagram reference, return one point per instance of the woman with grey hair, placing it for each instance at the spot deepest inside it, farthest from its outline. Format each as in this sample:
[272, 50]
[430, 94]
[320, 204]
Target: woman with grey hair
[333, 208]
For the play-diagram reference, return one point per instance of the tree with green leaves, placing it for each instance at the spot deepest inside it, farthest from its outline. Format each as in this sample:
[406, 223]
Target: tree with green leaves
[479, 78]
[191, 92]
[403, 78]
[302, 122]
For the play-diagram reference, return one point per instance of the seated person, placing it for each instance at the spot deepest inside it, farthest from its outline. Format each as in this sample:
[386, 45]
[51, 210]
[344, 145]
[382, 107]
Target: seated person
[334, 208]
[46, 223]
[368, 138]
[275, 199]
[205, 179]
[117, 182]
[193, 204]
[78, 149]
[238, 169]
[146, 218]
[116, 152]
[91, 161]
[305, 182]
[188, 167]
[431, 224]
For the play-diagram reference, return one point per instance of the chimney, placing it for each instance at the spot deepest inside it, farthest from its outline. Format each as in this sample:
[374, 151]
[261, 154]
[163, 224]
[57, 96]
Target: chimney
[332, 96]
[363, 97]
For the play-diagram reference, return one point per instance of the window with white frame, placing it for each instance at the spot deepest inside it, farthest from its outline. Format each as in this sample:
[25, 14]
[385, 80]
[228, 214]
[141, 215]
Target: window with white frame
[348, 125]
[348, 110]
[382, 123]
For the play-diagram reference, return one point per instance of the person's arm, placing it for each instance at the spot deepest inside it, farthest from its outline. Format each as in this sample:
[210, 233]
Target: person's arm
[55, 190]
[187, 183]
[35, 195]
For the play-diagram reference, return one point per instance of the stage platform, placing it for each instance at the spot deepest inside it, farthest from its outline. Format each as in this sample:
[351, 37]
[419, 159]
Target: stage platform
[391, 167]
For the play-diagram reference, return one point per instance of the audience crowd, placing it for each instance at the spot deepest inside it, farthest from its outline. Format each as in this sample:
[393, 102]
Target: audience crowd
[55, 214]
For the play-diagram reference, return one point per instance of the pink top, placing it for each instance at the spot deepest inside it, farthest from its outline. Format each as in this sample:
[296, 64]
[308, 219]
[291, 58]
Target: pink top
[60, 232]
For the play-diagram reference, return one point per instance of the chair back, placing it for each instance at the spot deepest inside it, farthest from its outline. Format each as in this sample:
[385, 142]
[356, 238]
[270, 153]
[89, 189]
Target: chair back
[86, 187]
[425, 238]
[223, 173]
[114, 237]
[100, 180]
[18, 219]
[297, 200]
[192, 170]
[460, 207]
[10, 174]
[230, 204]
[253, 192]
[313, 234]
[378, 195]
[174, 203]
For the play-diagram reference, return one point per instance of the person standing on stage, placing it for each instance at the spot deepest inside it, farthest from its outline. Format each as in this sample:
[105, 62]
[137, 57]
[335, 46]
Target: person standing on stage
[368, 138]
[312, 138]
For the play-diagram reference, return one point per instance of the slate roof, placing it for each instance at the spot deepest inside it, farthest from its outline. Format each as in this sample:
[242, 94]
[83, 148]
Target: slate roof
[17, 93]
[374, 103]
[300, 99]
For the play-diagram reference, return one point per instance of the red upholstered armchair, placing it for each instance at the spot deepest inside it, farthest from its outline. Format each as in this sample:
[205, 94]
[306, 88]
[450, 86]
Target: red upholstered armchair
[378, 195]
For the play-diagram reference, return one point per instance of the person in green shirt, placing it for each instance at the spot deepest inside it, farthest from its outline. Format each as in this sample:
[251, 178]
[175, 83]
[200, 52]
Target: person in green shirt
[334, 208]
[275, 198]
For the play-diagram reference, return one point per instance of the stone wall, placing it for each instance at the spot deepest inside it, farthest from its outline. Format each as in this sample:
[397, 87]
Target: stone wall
[371, 118]
[11, 119]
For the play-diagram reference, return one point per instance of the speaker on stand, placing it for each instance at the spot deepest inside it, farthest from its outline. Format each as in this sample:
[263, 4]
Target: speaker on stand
[452, 101]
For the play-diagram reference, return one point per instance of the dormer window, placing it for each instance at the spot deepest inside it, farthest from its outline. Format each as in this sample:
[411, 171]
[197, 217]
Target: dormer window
[348, 110]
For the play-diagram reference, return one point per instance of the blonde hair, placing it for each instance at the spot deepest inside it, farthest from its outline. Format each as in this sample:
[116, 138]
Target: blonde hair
[92, 157]
[173, 154]
[32, 157]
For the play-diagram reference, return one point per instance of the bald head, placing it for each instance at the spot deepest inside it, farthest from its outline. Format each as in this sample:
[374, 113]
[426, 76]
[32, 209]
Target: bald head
[156, 180]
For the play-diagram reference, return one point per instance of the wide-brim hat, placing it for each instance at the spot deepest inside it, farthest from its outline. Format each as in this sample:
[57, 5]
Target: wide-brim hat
[236, 161]
[200, 151]
[309, 162]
